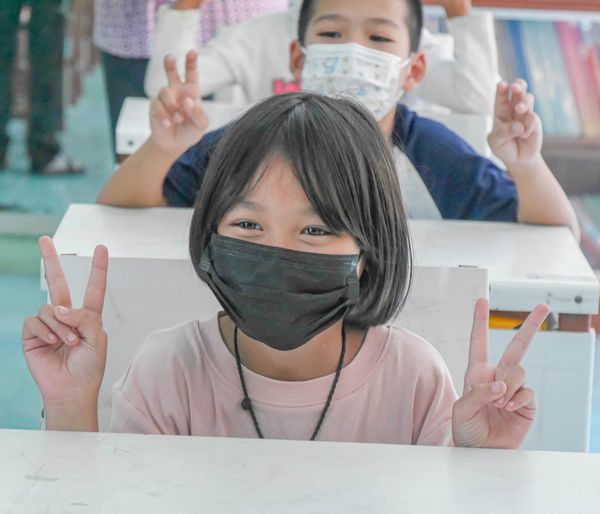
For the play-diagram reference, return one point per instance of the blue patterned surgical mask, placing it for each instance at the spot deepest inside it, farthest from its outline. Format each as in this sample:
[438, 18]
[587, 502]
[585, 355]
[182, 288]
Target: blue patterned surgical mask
[369, 76]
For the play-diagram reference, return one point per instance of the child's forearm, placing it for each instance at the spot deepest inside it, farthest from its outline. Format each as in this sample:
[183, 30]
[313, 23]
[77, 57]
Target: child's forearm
[138, 182]
[542, 200]
[72, 416]
[456, 8]
[175, 32]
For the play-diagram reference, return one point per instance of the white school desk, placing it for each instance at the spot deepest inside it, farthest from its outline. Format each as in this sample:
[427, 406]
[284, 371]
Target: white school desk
[61, 472]
[133, 126]
[154, 286]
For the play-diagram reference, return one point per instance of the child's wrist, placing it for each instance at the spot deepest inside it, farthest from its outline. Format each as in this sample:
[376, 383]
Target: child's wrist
[182, 5]
[72, 414]
[526, 168]
[164, 152]
[457, 8]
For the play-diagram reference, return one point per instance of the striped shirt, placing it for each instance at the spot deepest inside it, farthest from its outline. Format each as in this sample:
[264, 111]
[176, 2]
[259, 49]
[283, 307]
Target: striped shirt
[125, 27]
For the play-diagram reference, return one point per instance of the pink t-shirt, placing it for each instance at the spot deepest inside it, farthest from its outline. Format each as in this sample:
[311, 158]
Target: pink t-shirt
[184, 381]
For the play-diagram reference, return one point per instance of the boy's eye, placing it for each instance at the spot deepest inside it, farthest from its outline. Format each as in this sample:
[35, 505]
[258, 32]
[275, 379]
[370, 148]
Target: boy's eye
[381, 39]
[315, 231]
[248, 225]
[330, 34]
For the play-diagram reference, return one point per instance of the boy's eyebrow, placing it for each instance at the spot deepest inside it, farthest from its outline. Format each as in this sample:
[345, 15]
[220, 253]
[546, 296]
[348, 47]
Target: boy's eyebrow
[383, 21]
[339, 17]
[331, 17]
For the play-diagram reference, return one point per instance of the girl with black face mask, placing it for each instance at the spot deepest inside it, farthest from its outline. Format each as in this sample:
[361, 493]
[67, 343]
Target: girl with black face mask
[300, 233]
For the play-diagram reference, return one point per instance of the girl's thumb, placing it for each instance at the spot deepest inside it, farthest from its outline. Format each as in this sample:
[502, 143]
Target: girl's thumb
[477, 397]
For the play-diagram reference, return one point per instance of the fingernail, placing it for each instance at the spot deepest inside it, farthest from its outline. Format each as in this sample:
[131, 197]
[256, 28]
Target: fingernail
[496, 387]
[52, 338]
[510, 405]
[63, 310]
[71, 337]
[188, 102]
[166, 123]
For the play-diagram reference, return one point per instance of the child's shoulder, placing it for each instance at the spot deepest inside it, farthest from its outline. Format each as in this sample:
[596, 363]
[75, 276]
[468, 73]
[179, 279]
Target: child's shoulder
[407, 349]
[181, 345]
[410, 127]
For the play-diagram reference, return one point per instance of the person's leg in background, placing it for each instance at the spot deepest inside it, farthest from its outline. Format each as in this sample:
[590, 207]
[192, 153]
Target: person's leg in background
[9, 24]
[124, 77]
[46, 45]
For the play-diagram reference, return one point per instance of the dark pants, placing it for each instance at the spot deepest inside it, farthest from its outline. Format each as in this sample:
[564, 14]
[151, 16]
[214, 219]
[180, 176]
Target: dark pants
[46, 42]
[124, 77]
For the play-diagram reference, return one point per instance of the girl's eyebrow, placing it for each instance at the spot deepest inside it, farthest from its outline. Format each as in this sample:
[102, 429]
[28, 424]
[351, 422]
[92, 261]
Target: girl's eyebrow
[310, 211]
[253, 206]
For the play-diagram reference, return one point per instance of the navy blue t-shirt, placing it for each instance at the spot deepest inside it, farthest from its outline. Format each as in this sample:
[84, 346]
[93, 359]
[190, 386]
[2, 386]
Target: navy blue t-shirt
[463, 184]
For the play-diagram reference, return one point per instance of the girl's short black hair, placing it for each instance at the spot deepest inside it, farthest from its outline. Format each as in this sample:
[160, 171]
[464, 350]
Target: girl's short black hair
[414, 21]
[347, 170]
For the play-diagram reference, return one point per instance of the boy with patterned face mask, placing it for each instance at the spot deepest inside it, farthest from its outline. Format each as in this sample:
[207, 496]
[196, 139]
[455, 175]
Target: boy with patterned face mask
[360, 50]
[254, 57]
[441, 176]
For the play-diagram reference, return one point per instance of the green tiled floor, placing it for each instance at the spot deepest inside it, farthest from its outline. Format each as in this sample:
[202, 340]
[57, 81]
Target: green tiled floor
[86, 138]
[20, 296]
[19, 400]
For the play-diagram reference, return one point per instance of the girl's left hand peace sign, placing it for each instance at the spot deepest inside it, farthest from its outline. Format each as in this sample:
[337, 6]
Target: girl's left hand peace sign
[496, 409]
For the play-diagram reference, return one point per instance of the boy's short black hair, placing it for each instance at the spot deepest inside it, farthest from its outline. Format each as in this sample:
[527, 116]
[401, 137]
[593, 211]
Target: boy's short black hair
[347, 170]
[414, 21]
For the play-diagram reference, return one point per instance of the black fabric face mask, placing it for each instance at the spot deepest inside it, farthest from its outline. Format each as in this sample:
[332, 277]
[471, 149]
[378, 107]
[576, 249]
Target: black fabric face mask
[280, 297]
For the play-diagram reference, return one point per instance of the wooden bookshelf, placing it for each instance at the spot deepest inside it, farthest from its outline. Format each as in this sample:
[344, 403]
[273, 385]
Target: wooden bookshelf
[574, 161]
[560, 5]
[550, 10]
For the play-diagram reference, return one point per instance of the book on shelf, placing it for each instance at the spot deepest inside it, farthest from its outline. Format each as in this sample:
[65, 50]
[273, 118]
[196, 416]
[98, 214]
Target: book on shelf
[560, 61]
[587, 209]
[579, 71]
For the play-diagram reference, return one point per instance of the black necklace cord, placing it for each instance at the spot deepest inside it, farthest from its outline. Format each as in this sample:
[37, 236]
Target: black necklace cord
[247, 403]
[336, 378]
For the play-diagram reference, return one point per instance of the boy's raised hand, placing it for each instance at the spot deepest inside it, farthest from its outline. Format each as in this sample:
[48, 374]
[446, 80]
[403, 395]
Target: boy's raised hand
[496, 409]
[516, 137]
[177, 119]
[455, 8]
[65, 348]
[190, 4]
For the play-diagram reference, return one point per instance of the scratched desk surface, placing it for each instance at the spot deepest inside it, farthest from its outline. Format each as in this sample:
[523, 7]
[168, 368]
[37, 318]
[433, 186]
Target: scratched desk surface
[59, 472]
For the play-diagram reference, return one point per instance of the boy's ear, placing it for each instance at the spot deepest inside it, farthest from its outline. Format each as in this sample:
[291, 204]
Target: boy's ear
[296, 59]
[417, 71]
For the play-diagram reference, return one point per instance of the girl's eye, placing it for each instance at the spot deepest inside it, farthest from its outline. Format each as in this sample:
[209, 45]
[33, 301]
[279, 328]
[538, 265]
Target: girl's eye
[381, 39]
[248, 225]
[330, 34]
[315, 231]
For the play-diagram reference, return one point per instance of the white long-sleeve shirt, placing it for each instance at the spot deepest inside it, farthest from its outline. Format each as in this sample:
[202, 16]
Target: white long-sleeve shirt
[462, 66]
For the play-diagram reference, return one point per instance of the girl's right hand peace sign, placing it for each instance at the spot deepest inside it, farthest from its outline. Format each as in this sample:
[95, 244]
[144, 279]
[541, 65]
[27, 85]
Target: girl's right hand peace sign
[496, 409]
[65, 348]
[176, 115]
